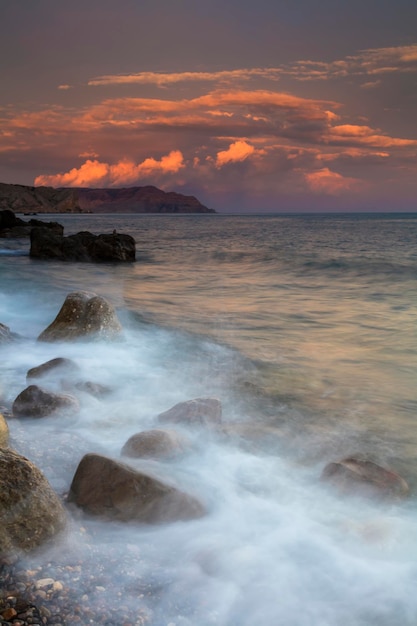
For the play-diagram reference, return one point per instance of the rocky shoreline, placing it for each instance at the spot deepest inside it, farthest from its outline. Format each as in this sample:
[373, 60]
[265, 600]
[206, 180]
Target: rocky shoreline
[107, 489]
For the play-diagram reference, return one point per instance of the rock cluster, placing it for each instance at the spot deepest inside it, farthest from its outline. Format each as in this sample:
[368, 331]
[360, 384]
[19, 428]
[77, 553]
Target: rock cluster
[47, 241]
[83, 246]
[12, 226]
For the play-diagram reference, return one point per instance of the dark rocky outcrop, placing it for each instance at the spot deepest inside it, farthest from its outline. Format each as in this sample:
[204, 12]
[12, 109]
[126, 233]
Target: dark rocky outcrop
[83, 246]
[363, 477]
[83, 315]
[156, 444]
[201, 411]
[147, 199]
[30, 512]
[114, 491]
[53, 367]
[37, 402]
[12, 226]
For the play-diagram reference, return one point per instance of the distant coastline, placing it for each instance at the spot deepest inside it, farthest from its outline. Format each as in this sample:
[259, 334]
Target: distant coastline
[148, 199]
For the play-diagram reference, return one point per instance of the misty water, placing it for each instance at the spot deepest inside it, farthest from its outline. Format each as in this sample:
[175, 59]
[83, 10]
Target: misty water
[305, 328]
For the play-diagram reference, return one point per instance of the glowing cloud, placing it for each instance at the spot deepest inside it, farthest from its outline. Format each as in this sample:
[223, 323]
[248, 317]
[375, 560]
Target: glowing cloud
[93, 172]
[327, 182]
[164, 78]
[237, 151]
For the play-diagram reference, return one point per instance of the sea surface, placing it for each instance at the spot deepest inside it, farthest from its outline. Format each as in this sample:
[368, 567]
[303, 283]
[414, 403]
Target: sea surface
[305, 327]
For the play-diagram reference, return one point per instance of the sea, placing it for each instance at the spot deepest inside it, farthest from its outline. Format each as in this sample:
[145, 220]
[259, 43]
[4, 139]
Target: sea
[305, 327]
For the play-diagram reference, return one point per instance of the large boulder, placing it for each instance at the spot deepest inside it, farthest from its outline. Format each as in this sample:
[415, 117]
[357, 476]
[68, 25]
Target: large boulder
[363, 477]
[4, 432]
[200, 411]
[30, 512]
[83, 246]
[37, 402]
[83, 314]
[156, 444]
[114, 491]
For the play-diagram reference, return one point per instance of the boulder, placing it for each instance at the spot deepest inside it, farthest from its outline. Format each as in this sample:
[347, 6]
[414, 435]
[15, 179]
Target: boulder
[37, 402]
[30, 512]
[83, 314]
[4, 432]
[83, 246]
[201, 411]
[156, 444]
[114, 491]
[60, 365]
[363, 477]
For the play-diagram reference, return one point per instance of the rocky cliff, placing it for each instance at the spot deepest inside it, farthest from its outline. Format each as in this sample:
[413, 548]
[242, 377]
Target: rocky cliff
[149, 199]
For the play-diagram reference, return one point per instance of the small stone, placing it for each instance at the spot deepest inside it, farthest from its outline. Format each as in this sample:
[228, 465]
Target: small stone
[44, 582]
[9, 614]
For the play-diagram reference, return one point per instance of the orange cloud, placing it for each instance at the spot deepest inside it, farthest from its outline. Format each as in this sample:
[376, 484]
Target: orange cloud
[164, 78]
[365, 135]
[237, 151]
[327, 182]
[93, 172]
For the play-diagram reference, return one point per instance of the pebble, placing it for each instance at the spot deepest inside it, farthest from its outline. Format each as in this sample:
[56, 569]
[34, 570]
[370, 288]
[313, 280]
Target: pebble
[50, 595]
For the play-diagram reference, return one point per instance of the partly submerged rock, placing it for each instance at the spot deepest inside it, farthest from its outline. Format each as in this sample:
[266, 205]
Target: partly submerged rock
[363, 477]
[83, 314]
[83, 246]
[37, 402]
[30, 512]
[6, 336]
[200, 411]
[114, 491]
[156, 444]
[59, 365]
[12, 226]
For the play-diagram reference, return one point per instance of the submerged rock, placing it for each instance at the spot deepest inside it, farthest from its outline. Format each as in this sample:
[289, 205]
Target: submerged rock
[156, 444]
[6, 336]
[200, 411]
[37, 402]
[83, 314]
[364, 477]
[30, 512]
[114, 491]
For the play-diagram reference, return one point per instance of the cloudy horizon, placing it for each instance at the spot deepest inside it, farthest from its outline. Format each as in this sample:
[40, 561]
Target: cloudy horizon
[300, 118]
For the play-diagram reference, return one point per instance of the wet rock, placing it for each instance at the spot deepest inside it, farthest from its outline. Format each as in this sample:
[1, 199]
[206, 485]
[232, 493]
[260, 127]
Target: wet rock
[59, 365]
[114, 491]
[83, 246]
[156, 444]
[30, 511]
[200, 411]
[4, 432]
[83, 314]
[37, 402]
[6, 336]
[365, 477]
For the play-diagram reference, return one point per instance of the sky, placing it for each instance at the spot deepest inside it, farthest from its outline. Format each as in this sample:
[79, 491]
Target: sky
[251, 106]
